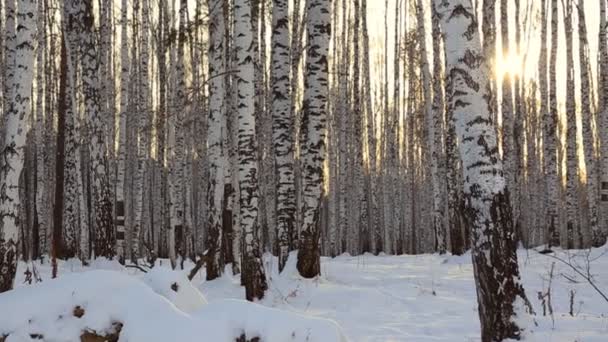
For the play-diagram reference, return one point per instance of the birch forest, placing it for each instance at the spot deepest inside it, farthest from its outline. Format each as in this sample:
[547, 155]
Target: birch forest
[210, 136]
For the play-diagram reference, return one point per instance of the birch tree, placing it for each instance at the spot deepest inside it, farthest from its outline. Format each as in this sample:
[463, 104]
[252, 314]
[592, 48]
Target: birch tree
[42, 206]
[17, 114]
[70, 196]
[551, 138]
[433, 113]
[252, 273]
[603, 117]
[508, 112]
[82, 11]
[142, 131]
[283, 130]
[373, 224]
[120, 210]
[572, 225]
[314, 120]
[500, 294]
[217, 131]
[591, 231]
[544, 113]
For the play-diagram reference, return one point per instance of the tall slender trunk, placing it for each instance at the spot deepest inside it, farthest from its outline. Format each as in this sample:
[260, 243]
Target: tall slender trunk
[590, 231]
[74, 208]
[544, 114]
[63, 104]
[142, 131]
[343, 128]
[216, 135]
[373, 210]
[283, 130]
[20, 80]
[122, 135]
[572, 227]
[603, 119]
[553, 184]
[103, 227]
[161, 125]
[314, 131]
[253, 273]
[42, 183]
[499, 292]
[509, 150]
[433, 113]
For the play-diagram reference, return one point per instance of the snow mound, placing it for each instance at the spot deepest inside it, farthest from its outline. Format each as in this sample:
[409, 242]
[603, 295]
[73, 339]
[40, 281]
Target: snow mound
[174, 286]
[103, 302]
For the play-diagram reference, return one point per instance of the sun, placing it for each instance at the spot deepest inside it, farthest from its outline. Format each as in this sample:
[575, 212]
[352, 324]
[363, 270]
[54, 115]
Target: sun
[509, 64]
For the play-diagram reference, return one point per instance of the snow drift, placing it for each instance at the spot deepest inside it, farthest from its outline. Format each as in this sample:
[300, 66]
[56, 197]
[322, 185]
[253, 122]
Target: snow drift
[163, 306]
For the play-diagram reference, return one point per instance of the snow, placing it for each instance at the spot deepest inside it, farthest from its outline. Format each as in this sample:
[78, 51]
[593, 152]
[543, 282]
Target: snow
[160, 306]
[176, 287]
[367, 298]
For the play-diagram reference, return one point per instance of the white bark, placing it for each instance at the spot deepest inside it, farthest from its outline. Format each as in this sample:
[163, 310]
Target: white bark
[553, 184]
[216, 135]
[122, 134]
[314, 131]
[20, 80]
[603, 118]
[283, 129]
[590, 231]
[143, 130]
[569, 236]
[433, 114]
[101, 208]
[493, 243]
[253, 273]
[42, 183]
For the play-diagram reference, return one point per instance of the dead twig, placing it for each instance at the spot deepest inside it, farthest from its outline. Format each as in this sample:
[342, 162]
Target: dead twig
[588, 278]
[137, 267]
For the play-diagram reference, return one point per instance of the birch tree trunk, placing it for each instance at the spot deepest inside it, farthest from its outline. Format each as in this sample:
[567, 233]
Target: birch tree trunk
[433, 114]
[590, 231]
[231, 188]
[252, 272]
[489, 48]
[343, 115]
[603, 119]
[3, 70]
[42, 183]
[142, 141]
[373, 224]
[509, 151]
[13, 153]
[569, 237]
[499, 292]
[215, 137]
[314, 120]
[10, 39]
[358, 97]
[82, 11]
[176, 150]
[161, 125]
[122, 135]
[553, 184]
[283, 130]
[71, 197]
[544, 114]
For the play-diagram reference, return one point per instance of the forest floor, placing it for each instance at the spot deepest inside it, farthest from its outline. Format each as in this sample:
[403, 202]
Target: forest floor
[419, 298]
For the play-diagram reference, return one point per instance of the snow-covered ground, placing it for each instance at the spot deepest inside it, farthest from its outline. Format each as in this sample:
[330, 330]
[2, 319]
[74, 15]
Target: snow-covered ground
[395, 298]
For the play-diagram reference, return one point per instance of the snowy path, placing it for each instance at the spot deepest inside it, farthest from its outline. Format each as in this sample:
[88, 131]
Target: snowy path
[429, 297]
